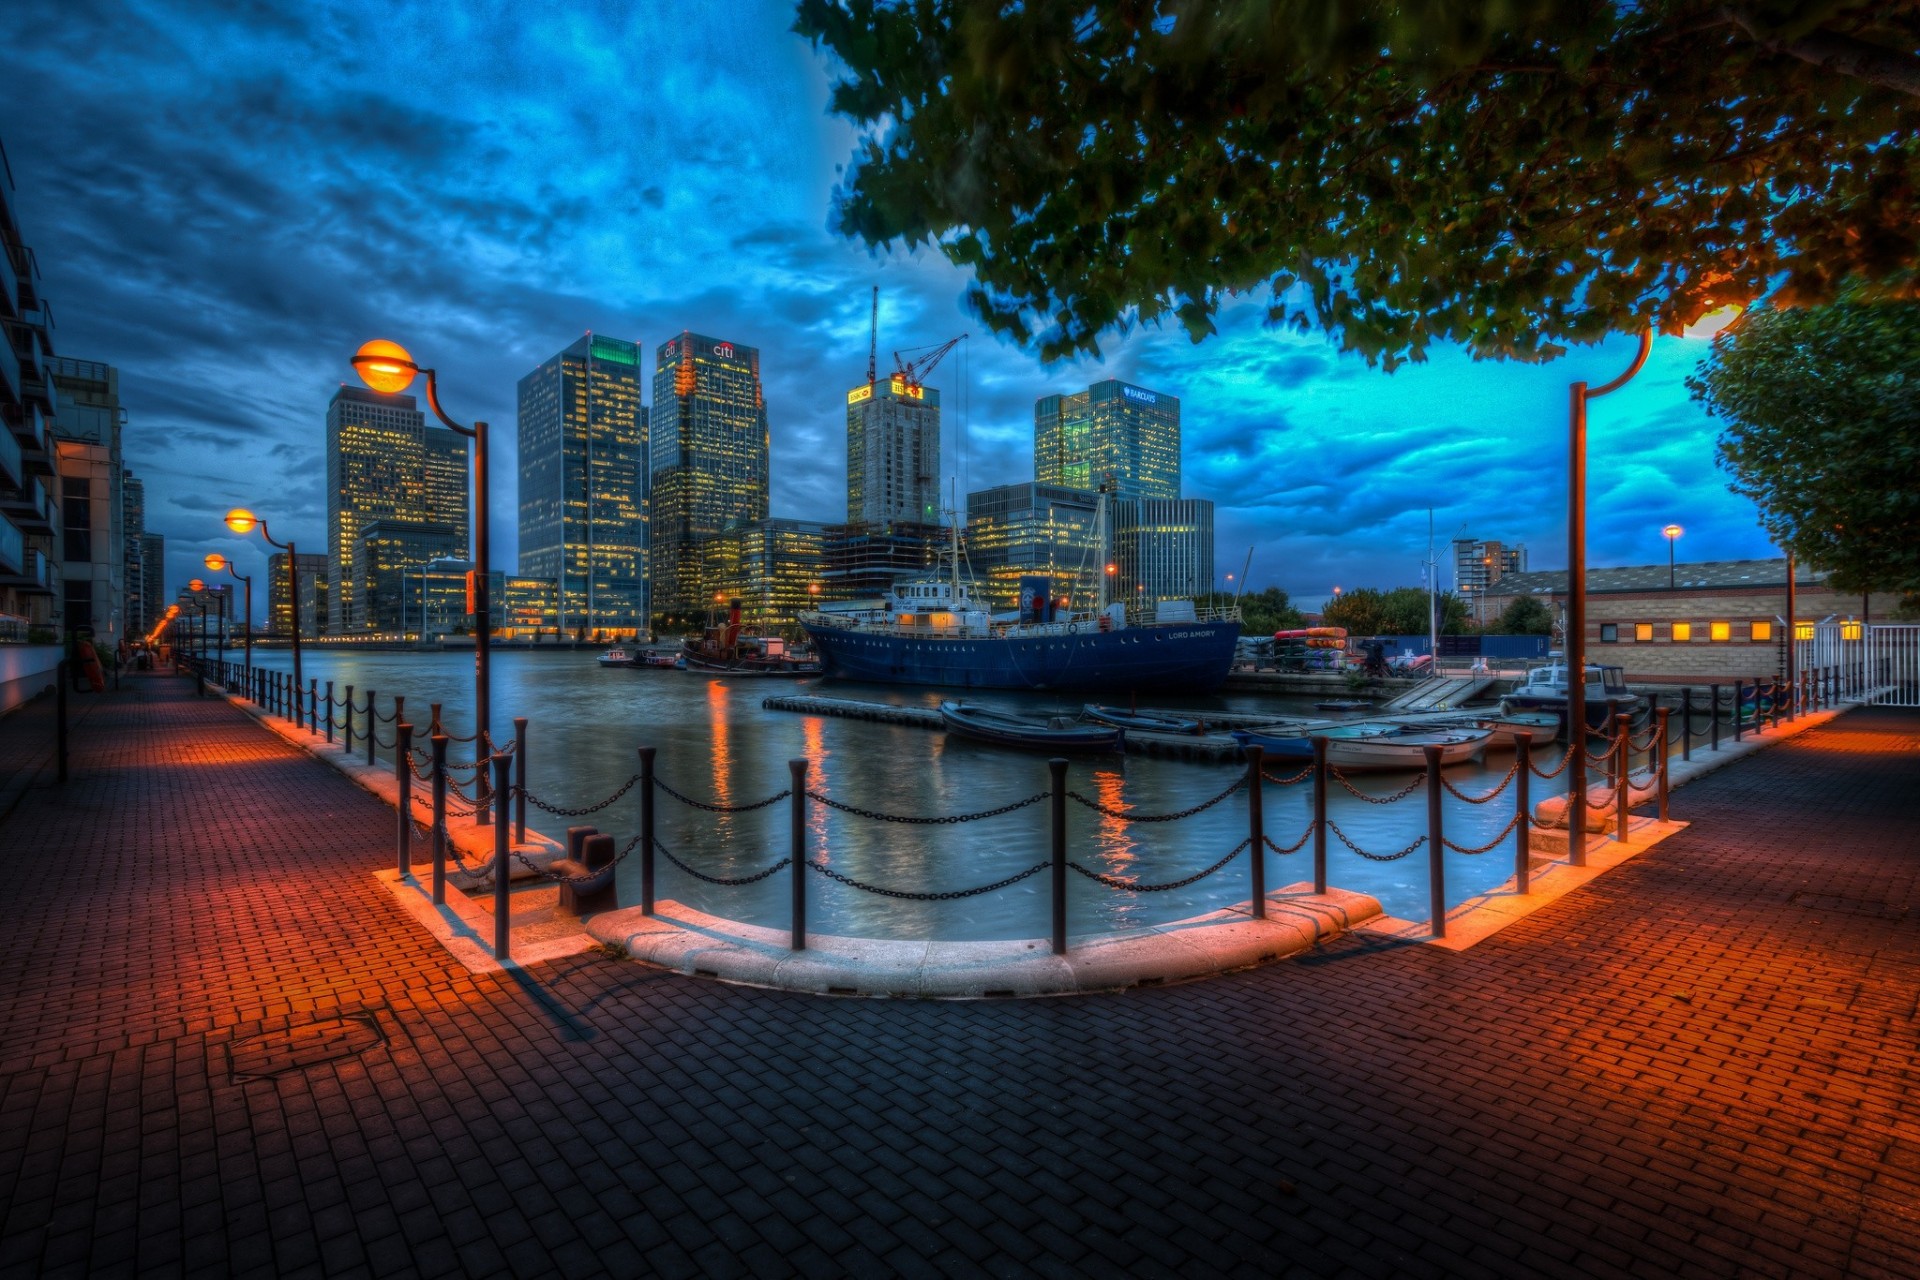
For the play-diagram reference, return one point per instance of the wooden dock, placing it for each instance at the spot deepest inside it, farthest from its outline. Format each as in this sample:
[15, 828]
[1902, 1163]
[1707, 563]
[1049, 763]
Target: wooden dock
[854, 709]
[1209, 747]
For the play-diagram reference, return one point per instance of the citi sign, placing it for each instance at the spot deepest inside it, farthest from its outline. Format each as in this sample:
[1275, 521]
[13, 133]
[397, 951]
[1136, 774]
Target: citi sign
[1135, 393]
[723, 350]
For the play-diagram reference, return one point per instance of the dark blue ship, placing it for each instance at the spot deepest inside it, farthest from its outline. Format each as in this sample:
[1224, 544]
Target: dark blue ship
[931, 633]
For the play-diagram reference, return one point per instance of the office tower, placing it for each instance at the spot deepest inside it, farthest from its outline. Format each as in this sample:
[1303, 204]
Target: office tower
[774, 567]
[1163, 549]
[133, 528]
[709, 463]
[583, 486]
[1480, 563]
[29, 489]
[1018, 529]
[313, 594]
[866, 560]
[87, 420]
[1112, 436]
[385, 552]
[384, 463]
[153, 577]
[893, 452]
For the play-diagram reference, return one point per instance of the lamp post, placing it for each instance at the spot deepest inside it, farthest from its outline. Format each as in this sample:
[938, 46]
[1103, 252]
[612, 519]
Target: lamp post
[216, 562]
[387, 367]
[200, 606]
[1578, 394]
[1671, 532]
[241, 520]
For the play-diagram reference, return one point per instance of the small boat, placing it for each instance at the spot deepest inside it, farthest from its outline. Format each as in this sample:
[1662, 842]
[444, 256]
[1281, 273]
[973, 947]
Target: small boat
[1297, 744]
[1543, 726]
[1605, 693]
[656, 658]
[1137, 720]
[1407, 749]
[728, 649]
[618, 657]
[1345, 704]
[1049, 733]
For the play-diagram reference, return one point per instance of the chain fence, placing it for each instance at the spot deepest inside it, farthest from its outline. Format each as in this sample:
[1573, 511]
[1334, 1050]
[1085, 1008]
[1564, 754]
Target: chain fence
[1373, 857]
[560, 811]
[1134, 886]
[711, 807]
[1295, 847]
[724, 881]
[942, 895]
[1305, 773]
[938, 820]
[1485, 796]
[1490, 845]
[1401, 794]
[1125, 816]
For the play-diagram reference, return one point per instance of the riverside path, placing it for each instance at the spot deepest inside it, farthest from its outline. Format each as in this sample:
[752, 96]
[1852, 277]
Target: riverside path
[225, 1049]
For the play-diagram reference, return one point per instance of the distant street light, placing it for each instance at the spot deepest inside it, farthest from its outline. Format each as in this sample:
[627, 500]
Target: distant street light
[1672, 531]
[387, 367]
[241, 520]
[216, 562]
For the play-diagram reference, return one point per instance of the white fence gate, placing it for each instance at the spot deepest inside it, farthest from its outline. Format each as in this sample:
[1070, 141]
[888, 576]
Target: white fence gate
[1893, 665]
[1875, 663]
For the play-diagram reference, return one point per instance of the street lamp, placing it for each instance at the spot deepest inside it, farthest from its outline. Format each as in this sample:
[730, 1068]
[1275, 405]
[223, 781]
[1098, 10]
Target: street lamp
[216, 562]
[1671, 532]
[241, 520]
[200, 648]
[387, 367]
[1709, 326]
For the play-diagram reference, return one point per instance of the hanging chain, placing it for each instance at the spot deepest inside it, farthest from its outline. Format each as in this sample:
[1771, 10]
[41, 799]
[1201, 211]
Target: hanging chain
[1295, 847]
[561, 812]
[1301, 776]
[1373, 857]
[1485, 796]
[1125, 816]
[691, 803]
[947, 819]
[947, 895]
[1557, 770]
[1115, 882]
[719, 880]
[1490, 845]
[1401, 794]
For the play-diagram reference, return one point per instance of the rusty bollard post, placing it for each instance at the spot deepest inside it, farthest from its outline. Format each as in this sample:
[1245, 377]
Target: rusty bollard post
[1739, 707]
[1686, 723]
[502, 906]
[1436, 845]
[1320, 814]
[439, 816]
[1256, 834]
[1665, 758]
[1522, 854]
[329, 713]
[519, 780]
[373, 724]
[798, 771]
[1623, 785]
[403, 778]
[646, 830]
[1057, 770]
[346, 715]
[313, 704]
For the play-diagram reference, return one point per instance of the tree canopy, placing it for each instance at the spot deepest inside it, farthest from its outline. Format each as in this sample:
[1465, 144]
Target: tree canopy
[1511, 175]
[1261, 612]
[1402, 611]
[1526, 616]
[1822, 414]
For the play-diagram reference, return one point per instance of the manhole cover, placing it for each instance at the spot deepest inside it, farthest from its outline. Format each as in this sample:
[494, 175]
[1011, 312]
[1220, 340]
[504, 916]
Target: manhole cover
[1848, 906]
[275, 1053]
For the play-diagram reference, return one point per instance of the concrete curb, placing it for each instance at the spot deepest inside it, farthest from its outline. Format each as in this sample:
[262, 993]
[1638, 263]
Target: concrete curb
[691, 942]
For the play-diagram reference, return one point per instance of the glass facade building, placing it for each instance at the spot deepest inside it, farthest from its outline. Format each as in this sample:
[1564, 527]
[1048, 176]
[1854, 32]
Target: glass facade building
[1113, 436]
[1019, 529]
[709, 462]
[384, 463]
[893, 453]
[313, 594]
[385, 552]
[1163, 549]
[584, 505]
[153, 577]
[865, 560]
[775, 568]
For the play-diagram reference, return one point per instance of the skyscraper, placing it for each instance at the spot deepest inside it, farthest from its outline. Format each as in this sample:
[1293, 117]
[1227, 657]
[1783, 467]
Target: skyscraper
[153, 576]
[87, 421]
[313, 594]
[893, 453]
[384, 462]
[1113, 436]
[133, 528]
[583, 485]
[1018, 529]
[385, 554]
[1163, 549]
[709, 465]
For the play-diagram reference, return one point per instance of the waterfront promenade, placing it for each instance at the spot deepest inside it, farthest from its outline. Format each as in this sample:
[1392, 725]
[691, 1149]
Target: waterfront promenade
[228, 1050]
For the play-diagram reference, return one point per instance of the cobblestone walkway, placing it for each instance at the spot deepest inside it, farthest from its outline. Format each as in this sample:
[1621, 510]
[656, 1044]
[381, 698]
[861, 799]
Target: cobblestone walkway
[226, 1050]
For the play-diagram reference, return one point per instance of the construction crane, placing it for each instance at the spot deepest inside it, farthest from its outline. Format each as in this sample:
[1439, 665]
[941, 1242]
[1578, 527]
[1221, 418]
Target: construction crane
[873, 341]
[914, 372]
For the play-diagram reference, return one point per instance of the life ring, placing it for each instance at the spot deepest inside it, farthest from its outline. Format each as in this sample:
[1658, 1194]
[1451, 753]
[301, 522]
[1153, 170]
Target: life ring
[1073, 628]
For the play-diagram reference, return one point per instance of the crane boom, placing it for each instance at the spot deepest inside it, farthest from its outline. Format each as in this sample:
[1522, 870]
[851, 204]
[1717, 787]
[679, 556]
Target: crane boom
[914, 372]
[873, 340]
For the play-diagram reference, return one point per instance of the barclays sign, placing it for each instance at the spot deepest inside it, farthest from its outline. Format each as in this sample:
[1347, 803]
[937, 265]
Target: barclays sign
[1144, 397]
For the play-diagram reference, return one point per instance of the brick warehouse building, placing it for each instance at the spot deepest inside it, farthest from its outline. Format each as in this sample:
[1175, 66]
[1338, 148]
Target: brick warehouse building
[1720, 620]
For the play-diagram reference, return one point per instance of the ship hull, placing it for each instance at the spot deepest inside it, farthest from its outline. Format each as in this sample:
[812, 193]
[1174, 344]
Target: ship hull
[1185, 658]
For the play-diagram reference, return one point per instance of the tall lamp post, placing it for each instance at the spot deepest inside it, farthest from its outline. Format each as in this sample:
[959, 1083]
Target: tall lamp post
[388, 368]
[216, 562]
[241, 520]
[1671, 533]
[1708, 326]
[200, 606]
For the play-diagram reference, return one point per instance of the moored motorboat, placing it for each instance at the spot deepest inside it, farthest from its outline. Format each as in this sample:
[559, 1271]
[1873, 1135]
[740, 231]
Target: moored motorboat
[1138, 720]
[618, 656]
[657, 658]
[1605, 694]
[1297, 744]
[1344, 704]
[1031, 733]
[1407, 749]
[1540, 726]
[727, 649]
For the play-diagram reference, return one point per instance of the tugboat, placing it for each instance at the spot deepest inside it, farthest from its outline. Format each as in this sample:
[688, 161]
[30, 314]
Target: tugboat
[724, 649]
[619, 656]
[932, 632]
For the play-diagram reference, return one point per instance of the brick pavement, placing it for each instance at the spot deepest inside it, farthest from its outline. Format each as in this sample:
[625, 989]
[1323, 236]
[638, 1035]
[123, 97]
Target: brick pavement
[1701, 1064]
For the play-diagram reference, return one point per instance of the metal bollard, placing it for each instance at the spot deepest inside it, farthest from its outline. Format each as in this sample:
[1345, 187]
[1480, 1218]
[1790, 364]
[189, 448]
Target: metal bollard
[403, 778]
[1257, 833]
[1320, 813]
[1686, 723]
[400, 708]
[646, 830]
[199, 680]
[329, 713]
[1436, 846]
[435, 708]
[63, 671]
[1623, 785]
[1522, 853]
[798, 770]
[519, 780]
[1714, 718]
[502, 910]
[373, 724]
[1739, 708]
[439, 817]
[1665, 758]
[313, 704]
[346, 716]
[1057, 768]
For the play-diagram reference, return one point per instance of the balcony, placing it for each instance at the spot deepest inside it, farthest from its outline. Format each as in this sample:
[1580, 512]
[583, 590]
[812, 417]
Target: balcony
[13, 550]
[10, 389]
[29, 506]
[11, 472]
[34, 577]
[35, 441]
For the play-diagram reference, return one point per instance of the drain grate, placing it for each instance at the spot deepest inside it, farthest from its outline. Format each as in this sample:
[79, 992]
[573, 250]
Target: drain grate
[1871, 907]
[276, 1053]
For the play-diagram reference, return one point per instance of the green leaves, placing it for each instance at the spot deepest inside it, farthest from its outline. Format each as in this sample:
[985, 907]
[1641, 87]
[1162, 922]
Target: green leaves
[1513, 175]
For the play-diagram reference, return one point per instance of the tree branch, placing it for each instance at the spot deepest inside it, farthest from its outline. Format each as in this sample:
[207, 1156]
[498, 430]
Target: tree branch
[1842, 54]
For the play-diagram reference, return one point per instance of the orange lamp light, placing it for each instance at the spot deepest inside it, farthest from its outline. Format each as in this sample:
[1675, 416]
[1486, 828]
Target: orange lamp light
[197, 585]
[215, 561]
[385, 366]
[241, 520]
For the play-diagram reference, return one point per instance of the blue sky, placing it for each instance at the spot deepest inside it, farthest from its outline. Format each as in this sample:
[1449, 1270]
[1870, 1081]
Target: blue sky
[226, 199]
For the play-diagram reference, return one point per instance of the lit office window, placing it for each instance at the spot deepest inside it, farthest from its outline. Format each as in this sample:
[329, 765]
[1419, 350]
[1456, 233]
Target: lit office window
[1643, 631]
[1761, 631]
[1803, 631]
[1720, 631]
[1683, 631]
[1850, 630]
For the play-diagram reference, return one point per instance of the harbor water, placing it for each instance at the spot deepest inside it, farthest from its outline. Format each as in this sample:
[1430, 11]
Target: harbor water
[717, 744]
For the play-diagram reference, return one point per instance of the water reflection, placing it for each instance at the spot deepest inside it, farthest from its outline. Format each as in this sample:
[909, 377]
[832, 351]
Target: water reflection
[717, 743]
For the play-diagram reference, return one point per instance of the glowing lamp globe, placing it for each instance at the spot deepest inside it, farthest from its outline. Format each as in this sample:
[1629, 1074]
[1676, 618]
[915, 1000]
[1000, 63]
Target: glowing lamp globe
[1714, 323]
[385, 366]
[196, 585]
[241, 520]
[1673, 531]
[215, 561]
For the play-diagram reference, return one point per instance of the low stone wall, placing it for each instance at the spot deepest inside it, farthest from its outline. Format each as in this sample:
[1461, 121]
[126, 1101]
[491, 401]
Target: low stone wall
[25, 670]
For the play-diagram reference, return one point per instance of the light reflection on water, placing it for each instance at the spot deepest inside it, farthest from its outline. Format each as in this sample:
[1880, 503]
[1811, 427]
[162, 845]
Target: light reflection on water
[716, 743]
